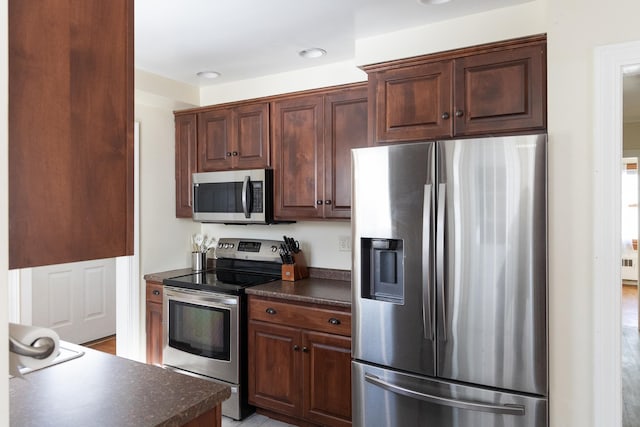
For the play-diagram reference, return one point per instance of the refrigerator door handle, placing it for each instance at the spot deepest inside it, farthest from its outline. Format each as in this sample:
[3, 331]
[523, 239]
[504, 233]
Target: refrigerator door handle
[440, 255]
[427, 324]
[445, 401]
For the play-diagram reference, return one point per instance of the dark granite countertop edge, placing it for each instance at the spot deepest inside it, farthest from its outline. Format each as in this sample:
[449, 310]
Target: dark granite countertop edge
[299, 298]
[197, 409]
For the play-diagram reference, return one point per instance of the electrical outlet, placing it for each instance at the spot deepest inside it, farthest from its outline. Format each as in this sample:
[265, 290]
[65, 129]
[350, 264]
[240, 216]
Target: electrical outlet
[344, 244]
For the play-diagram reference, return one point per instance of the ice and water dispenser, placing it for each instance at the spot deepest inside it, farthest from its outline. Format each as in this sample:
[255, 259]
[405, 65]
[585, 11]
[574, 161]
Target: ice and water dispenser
[382, 269]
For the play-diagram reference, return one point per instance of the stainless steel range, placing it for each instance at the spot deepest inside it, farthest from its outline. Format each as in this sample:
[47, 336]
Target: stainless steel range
[205, 317]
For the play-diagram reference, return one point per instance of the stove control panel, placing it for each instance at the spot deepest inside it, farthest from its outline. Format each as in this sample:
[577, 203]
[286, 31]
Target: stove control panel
[249, 249]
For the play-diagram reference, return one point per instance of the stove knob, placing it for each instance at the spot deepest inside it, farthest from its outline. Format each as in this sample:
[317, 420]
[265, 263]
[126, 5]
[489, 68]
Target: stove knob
[226, 246]
[220, 245]
[231, 245]
[274, 248]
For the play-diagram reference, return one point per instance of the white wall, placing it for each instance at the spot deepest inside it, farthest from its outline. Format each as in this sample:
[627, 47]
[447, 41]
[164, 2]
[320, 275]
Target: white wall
[4, 208]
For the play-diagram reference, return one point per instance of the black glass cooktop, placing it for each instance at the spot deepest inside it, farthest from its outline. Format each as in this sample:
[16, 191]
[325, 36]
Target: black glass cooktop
[228, 280]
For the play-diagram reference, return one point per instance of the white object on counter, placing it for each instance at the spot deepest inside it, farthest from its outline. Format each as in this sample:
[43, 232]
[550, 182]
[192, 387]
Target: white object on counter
[27, 335]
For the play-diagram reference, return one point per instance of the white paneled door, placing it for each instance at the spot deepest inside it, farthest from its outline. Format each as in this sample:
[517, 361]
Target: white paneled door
[77, 300]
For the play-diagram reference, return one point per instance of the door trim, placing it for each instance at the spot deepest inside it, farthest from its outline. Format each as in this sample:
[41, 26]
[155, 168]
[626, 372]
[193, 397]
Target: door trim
[607, 146]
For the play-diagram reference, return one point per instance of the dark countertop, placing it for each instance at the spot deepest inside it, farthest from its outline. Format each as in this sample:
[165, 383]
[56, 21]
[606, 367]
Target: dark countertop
[99, 389]
[159, 277]
[312, 290]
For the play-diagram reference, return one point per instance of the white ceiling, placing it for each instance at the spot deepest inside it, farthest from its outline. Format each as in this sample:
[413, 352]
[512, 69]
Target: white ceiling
[249, 38]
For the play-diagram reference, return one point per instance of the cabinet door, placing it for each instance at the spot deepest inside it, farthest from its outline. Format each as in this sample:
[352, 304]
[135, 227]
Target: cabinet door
[70, 160]
[327, 388]
[251, 136]
[298, 157]
[501, 91]
[274, 368]
[215, 148]
[412, 103]
[345, 128]
[186, 162]
[154, 322]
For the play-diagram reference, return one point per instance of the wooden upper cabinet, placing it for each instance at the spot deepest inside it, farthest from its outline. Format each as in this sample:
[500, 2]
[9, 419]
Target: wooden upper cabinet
[298, 157]
[412, 103]
[501, 91]
[345, 128]
[186, 162]
[312, 140]
[498, 88]
[70, 131]
[234, 138]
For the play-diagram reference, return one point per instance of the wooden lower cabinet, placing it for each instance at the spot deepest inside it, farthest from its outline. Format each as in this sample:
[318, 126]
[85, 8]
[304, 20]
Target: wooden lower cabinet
[299, 372]
[154, 323]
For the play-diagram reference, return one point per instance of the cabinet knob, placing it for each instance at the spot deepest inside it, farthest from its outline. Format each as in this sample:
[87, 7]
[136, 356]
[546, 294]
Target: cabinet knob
[296, 348]
[459, 113]
[270, 310]
[334, 321]
[305, 350]
[156, 292]
[228, 153]
[445, 115]
[327, 202]
[235, 153]
[319, 202]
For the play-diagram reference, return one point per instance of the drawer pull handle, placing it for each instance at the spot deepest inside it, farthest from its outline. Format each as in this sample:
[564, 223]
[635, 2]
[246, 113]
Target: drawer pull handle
[296, 348]
[156, 292]
[334, 321]
[270, 310]
[305, 350]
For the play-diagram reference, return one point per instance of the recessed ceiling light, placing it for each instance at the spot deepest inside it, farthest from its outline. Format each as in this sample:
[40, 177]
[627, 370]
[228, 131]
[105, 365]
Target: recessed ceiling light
[433, 1]
[314, 52]
[208, 74]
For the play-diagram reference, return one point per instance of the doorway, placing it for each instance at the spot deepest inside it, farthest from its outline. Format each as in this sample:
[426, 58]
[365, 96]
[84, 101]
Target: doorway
[607, 328]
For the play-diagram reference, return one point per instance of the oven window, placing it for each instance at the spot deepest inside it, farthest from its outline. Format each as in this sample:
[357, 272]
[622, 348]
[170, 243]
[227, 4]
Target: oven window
[199, 330]
[226, 197]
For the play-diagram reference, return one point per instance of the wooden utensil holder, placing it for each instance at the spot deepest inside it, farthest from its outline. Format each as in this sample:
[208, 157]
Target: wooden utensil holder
[296, 271]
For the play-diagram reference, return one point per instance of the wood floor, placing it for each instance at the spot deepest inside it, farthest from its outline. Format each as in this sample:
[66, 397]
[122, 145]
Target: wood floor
[630, 358]
[107, 344]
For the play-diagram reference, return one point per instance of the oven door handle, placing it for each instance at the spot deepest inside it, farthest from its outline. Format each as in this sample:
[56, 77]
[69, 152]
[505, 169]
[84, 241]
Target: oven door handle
[193, 296]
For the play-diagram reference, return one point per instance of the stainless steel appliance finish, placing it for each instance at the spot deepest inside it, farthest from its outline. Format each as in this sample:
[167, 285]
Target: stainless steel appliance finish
[204, 318]
[449, 277]
[232, 197]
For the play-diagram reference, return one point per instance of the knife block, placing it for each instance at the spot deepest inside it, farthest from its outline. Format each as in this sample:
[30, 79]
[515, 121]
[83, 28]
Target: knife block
[296, 271]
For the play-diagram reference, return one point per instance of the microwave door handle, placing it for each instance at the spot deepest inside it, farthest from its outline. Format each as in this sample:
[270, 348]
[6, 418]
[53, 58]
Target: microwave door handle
[245, 199]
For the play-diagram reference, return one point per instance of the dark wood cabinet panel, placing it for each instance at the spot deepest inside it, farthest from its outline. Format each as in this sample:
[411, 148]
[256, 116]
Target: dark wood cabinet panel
[302, 372]
[214, 140]
[327, 367]
[412, 103]
[251, 123]
[298, 160]
[186, 162]
[234, 138]
[497, 88]
[346, 117]
[501, 91]
[275, 367]
[153, 321]
[70, 131]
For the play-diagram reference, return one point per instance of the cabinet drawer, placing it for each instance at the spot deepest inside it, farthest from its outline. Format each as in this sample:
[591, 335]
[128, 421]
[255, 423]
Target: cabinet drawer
[154, 292]
[316, 318]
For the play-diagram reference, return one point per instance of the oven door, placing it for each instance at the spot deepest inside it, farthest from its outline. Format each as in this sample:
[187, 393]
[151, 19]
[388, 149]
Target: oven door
[200, 332]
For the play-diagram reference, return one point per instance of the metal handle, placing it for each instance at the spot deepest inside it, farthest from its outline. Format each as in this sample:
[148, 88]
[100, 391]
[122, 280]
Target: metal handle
[41, 348]
[270, 310]
[509, 409]
[445, 115]
[427, 324]
[235, 153]
[245, 190]
[459, 113]
[156, 292]
[442, 197]
[327, 202]
[334, 321]
[319, 202]
[305, 350]
[228, 153]
[296, 348]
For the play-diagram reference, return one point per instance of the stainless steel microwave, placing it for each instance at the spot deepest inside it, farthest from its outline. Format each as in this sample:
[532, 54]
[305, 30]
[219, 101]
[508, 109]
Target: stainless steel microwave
[233, 197]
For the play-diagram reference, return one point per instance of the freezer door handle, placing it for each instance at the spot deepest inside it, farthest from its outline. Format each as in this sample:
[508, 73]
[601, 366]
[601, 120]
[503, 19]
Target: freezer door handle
[440, 223]
[445, 401]
[427, 324]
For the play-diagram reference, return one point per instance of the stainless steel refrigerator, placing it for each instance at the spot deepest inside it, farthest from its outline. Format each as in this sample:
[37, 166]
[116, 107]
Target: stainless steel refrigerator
[450, 284]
